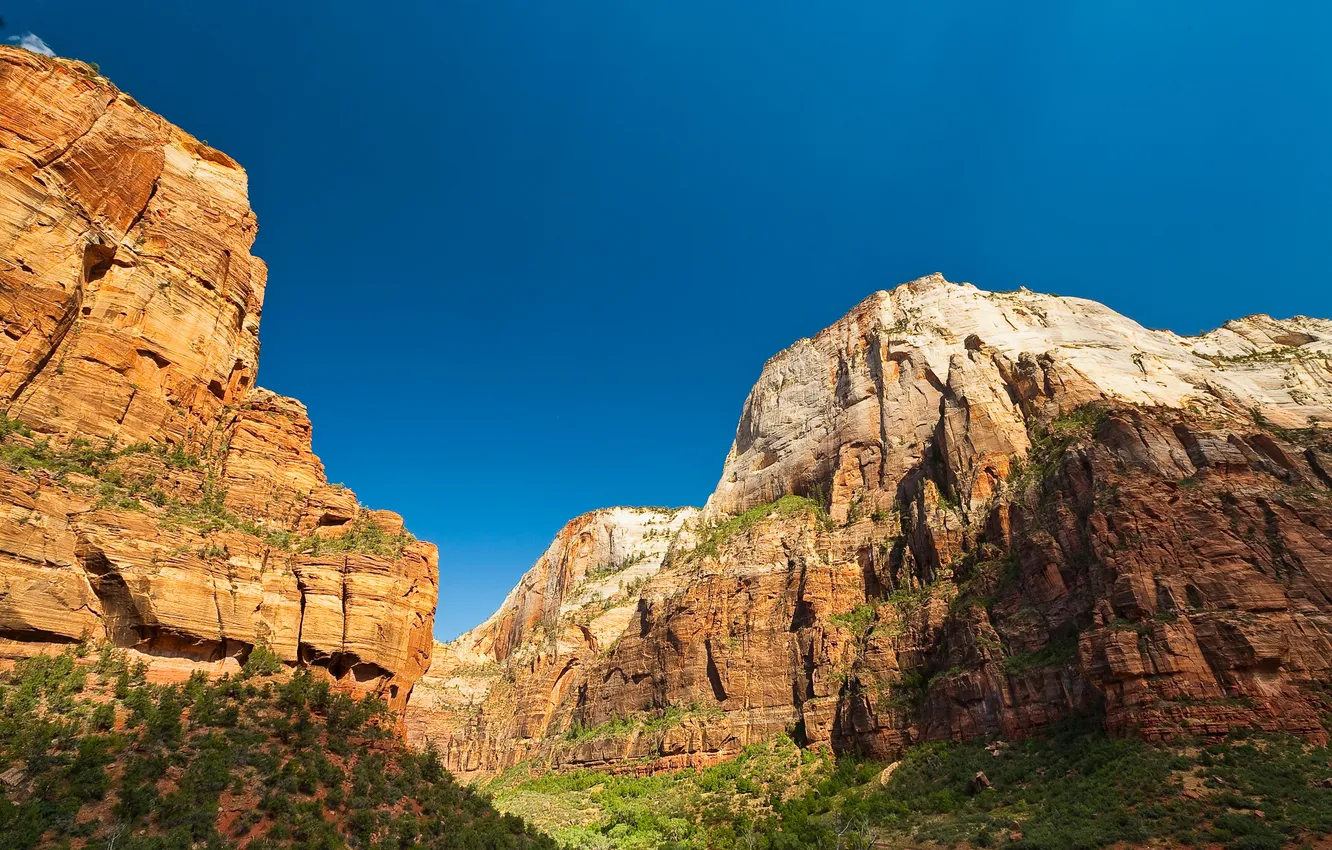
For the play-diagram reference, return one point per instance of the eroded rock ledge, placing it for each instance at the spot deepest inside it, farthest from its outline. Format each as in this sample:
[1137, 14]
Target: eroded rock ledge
[955, 513]
[149, 493]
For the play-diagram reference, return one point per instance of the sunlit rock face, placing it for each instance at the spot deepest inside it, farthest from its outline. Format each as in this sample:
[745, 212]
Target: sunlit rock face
[131, 306]
[954, 513]
[567, 611]
[951, 365]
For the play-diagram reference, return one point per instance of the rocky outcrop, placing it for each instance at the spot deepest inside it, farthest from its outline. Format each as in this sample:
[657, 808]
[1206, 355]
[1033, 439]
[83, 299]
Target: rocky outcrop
[496, 692]
[150, 494]
[956, 369]
[958, 513]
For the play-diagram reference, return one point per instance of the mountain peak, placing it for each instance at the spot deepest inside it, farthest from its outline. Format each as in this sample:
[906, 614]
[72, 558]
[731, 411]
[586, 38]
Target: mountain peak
[938, 519]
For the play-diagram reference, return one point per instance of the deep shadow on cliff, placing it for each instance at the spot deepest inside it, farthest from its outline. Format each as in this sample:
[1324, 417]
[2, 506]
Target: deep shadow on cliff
[952, 515]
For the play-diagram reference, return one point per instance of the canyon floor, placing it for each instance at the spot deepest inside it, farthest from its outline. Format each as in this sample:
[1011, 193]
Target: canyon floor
[1075, 787]
[980, 568]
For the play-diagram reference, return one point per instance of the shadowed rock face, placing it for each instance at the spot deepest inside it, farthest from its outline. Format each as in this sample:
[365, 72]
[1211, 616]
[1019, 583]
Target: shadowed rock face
[130, 306]
[571, 607]
[1016, 507]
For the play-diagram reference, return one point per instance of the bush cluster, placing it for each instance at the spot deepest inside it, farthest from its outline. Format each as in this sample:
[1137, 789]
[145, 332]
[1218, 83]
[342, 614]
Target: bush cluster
[24, 452]
[108, 760]
[1074, 788]
[712, 537]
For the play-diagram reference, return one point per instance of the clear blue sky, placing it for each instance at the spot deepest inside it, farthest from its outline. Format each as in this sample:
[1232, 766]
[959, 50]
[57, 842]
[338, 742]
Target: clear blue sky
[528, 257]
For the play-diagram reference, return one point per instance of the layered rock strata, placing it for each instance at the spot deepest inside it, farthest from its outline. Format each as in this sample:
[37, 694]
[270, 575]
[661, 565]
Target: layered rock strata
[958, 513]
[508, 680]
[149, 493]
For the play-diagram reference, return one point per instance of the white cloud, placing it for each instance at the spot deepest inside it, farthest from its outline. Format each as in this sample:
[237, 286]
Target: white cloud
[30, 41]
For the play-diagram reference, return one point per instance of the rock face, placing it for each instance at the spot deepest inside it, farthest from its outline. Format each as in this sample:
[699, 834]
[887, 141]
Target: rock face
[149, 493]
[565, 614]
[958, 513]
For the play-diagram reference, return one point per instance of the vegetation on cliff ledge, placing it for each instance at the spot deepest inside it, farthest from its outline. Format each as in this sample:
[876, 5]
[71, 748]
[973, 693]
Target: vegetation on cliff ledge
[1050, 442]
[711, 537]
[194, 501]
[93, 756]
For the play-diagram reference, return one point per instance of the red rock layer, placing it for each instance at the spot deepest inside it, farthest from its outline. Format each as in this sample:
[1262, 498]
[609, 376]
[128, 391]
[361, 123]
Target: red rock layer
[130, 305]
[1120, 523]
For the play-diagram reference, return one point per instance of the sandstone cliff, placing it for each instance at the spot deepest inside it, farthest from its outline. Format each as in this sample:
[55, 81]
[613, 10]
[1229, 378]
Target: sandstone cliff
[149, 493]
[569, 608]
[957, 513]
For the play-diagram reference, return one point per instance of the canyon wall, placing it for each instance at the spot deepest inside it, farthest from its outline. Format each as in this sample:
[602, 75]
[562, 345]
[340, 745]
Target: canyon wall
[565, 612]
[150, 494]
[952, 514]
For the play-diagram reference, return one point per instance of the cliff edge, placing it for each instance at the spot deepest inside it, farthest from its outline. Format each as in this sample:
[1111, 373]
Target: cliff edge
[957, 513]
[150, 494]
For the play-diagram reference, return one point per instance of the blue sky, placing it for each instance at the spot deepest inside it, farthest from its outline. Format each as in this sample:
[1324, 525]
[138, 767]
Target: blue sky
[528, 257]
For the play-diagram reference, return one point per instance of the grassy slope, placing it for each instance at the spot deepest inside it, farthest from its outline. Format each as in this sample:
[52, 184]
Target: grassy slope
[91, 756]
[1077, 788]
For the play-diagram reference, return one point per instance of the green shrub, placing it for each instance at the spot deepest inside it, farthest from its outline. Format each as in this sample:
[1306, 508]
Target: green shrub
[261, 661]
[159, 783]
[104, 717]
[1049, 444]
[860, 619]
[1054, 653]
[364, 536]
[712, 537]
